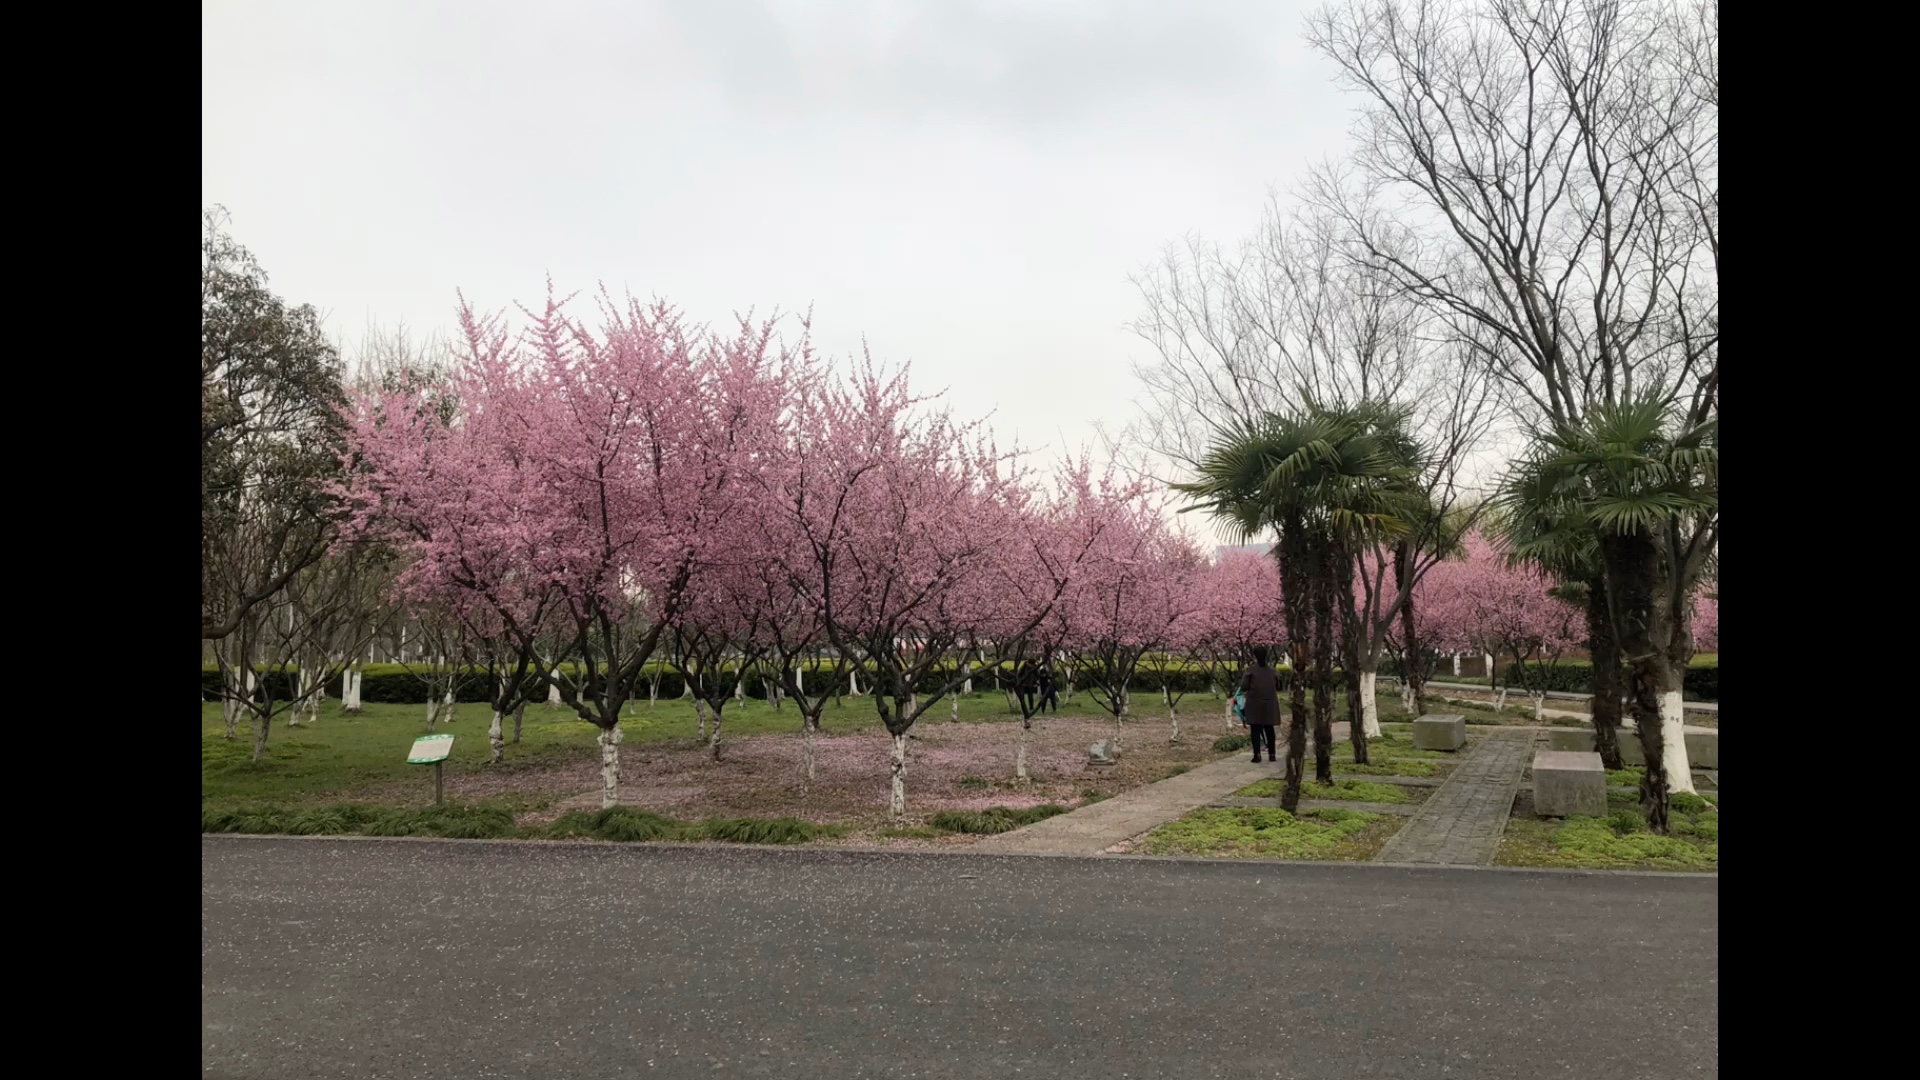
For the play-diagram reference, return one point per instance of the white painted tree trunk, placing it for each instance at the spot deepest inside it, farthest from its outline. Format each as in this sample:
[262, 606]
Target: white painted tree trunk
[610, 765]
[1488, 658]
[260, 739]
[433, 710]
[1227, 711]
[1173, 718]
[653, 690]
[897, 805]
[497, 737]
[1370, 704]
[853, 682]
[800, 679]
[739, 690]
[1673, 743]
[446, 712]
[1539, 708]
[1020, 755]
[1501, 702]
[956, 706]
[806, 743]
[554, 700]
[700, 710]
[1456, 665]
[1406, 696]
[713, 743]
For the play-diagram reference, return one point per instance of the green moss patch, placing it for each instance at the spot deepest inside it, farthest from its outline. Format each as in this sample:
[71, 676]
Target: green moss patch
[1241, 833]
[1619, 841]
[1350, 790]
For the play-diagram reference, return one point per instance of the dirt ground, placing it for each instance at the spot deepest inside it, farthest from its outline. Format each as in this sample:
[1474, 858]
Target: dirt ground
[950, 766]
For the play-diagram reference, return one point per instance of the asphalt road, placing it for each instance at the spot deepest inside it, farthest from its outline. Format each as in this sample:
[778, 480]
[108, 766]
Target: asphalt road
[365, 959]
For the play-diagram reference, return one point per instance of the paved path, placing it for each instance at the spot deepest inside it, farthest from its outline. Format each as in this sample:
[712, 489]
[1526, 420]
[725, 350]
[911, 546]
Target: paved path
[1460, 824]
[1710, 707]
[427, 960]
[1093, 829]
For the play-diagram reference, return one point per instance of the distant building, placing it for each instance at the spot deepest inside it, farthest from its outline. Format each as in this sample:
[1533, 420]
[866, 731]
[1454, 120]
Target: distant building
[1224, 550]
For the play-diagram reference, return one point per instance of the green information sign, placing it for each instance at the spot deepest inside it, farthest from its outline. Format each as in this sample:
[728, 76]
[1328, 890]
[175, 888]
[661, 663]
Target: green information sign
[430, 750]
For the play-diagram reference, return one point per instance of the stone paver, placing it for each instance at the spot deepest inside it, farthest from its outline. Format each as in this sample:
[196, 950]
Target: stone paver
[1093, 829]
[1460, 824]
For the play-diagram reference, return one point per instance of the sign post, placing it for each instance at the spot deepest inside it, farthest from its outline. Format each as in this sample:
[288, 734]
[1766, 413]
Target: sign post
[431, 750]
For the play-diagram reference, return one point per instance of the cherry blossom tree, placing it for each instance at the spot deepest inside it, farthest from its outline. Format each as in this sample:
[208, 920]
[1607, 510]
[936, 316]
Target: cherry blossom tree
[1136, 585]
[904, 512]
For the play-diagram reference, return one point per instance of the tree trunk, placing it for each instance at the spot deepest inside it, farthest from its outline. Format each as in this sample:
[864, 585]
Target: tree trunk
[610, 765]
[554, 700]
[897, 805]
[1604, 648]
[807, 729]
[1540, 706]
[260, 730]
[1413, 669]
[1369, 701]
[700, 710]
[1173, 719]
[1456, 665]
[653, 691]
[433, 709]
[1323, 671]
[853, 682]
[497, 738]
[1020, 754]
[1634, 578]
[1673, 743]
[519, 714]
[713, 743]
[1299, 655]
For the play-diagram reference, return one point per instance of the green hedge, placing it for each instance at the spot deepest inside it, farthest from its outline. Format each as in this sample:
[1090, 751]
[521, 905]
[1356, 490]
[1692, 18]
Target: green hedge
[394, 684]
[1700, 683]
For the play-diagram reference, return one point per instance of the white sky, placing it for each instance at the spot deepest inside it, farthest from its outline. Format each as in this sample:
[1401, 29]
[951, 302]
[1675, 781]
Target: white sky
[967, 185]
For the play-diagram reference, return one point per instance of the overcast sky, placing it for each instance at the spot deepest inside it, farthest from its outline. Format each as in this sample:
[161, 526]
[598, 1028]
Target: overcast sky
[966, 185]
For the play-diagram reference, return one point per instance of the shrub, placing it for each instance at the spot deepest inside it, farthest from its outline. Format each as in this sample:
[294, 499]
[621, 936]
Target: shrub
[1226, 744]
[620, 823]
[782, 830]
[995, 819]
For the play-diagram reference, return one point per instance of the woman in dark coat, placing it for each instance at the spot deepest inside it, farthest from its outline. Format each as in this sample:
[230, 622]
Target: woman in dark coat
[1261, 684]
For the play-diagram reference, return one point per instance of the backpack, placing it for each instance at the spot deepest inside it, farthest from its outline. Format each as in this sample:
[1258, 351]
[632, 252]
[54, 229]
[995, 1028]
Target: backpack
[1240, 705]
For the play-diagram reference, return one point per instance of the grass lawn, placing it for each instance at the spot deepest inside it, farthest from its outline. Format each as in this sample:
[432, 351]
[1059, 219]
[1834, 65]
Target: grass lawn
[345, 757]
[1619, 841]
[1346, 790]
[1239, 833]
[348, 774]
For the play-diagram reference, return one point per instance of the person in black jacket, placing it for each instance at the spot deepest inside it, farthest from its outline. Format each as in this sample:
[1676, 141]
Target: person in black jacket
[1261, 684]
[1026, 683]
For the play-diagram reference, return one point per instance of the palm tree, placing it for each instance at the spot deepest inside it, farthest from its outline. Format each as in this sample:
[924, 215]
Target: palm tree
[1641, 487]
[1324, 479]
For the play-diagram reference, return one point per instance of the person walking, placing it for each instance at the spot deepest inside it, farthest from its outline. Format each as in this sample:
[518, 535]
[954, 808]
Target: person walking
[1026, 683]
[1261, 685]
[1049, 696]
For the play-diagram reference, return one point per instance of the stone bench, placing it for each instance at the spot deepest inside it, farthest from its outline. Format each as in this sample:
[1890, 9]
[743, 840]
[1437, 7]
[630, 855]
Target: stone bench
[1568, 783]
[1703, 744]
[1440, 733]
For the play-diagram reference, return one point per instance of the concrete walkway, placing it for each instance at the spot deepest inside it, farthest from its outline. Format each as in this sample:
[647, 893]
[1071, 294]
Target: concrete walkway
[1093, 829]
[1460, 824]
[1711, 708]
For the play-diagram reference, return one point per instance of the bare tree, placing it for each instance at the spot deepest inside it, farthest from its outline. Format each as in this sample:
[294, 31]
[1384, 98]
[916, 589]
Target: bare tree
[1544, 176]
[1295, 320]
